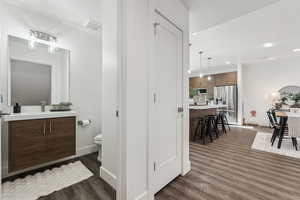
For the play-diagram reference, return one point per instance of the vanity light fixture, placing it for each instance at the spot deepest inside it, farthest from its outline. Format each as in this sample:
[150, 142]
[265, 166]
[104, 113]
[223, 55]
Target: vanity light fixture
[38, 35]
[52, 47]
[31, 41]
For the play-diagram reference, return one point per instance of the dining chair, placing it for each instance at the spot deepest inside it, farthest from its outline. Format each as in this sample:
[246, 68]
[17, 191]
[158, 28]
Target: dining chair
[273, 112]
[274, 126]
[294, 129]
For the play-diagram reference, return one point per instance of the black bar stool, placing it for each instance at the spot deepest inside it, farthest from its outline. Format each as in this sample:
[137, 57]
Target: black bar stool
[210, 128]
[199, 128]
[223, 121]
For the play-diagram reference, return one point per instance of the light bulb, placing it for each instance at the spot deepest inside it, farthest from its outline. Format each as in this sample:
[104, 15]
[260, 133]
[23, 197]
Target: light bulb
[201, 75]
[31, 42]
[52, 47]
[209, 78]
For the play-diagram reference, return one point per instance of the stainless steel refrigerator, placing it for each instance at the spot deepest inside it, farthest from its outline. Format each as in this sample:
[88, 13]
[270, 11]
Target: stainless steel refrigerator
[228, 95]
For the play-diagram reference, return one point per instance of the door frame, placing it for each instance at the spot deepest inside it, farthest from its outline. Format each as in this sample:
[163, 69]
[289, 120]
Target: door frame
[154, 15]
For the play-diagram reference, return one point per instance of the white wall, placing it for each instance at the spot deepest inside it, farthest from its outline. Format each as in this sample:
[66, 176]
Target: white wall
[128, 28]
[260, 80]
[85, 83]
[110, 146]
[85, 72]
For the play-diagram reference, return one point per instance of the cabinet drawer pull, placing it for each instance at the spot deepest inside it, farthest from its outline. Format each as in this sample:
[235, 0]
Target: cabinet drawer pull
[44, 128]
[50, 127]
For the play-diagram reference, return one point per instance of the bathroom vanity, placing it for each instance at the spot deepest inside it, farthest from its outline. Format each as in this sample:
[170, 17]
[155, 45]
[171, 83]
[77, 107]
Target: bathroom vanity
[35, 139]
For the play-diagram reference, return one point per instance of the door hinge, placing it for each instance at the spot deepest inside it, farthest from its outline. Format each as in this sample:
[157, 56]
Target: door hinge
[154, 98]
[155, 27]
[154, 166]
[117, 113]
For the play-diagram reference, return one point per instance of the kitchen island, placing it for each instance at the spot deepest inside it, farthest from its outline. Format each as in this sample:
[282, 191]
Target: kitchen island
[201, 111]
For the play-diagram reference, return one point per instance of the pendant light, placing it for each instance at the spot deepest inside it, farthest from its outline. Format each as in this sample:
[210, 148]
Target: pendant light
[208, 65]
[200, 53]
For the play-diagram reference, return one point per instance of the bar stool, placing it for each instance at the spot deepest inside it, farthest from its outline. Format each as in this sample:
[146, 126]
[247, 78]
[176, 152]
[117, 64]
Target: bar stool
[223, 121]
[210, 127]
[199, 128]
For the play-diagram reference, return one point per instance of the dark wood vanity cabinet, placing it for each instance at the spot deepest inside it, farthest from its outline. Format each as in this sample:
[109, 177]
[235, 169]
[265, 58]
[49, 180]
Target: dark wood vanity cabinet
[34, 142]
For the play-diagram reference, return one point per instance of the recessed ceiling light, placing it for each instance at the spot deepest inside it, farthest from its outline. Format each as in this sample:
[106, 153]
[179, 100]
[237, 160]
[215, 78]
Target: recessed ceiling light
[227, 62]
[268, 45]
[195, 33]
[201, 75]
[296, 50]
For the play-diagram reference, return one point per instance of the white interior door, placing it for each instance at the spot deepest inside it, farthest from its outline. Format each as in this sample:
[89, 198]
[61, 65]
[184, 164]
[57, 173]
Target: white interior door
[166, 119]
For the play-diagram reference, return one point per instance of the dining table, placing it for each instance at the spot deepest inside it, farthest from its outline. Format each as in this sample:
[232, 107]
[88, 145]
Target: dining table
[283, 123]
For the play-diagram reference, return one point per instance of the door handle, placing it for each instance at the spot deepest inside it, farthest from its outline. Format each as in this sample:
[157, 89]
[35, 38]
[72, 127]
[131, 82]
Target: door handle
[180, 109]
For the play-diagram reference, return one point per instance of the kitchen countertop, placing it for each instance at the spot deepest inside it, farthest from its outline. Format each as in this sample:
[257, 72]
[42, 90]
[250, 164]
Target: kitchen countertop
[37, 115]
[206, 107]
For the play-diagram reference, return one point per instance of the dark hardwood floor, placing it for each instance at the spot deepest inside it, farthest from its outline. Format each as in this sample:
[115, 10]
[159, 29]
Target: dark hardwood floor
[228, 169]
[93, 188]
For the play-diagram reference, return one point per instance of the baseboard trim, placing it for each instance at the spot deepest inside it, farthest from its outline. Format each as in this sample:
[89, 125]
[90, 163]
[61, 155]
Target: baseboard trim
[142, 196]
[86, 150]
[186, 168]
[109, 177]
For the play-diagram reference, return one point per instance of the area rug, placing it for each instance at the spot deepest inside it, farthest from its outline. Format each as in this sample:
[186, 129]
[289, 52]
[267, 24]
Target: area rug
[262, 143]
[45, 183]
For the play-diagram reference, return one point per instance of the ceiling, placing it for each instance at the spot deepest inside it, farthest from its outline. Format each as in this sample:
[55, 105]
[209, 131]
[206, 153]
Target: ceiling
[207, 13]
[57, 13]
[226, 30]
[240, 39]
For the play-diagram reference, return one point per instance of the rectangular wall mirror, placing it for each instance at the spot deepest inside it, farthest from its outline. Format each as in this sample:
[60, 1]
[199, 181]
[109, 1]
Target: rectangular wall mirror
[37, 75]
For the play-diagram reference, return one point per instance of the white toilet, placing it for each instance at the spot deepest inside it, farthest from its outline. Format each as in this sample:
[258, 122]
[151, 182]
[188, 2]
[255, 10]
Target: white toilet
[98, 141]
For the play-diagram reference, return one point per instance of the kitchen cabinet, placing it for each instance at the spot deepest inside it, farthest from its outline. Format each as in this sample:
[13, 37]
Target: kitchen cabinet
[223, 79]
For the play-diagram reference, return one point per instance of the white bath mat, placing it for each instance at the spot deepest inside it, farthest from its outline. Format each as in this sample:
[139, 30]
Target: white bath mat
[45, 183]
[262, 142]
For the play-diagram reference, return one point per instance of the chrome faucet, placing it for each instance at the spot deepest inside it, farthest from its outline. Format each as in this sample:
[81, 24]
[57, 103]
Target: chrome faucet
[43, 106]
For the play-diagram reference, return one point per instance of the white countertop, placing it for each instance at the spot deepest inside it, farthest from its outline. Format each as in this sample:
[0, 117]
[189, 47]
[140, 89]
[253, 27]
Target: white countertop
[37, 115]
[206, 107]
